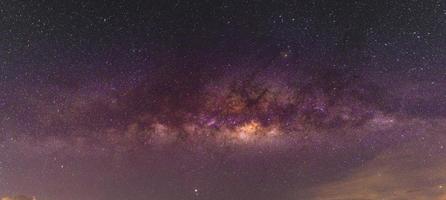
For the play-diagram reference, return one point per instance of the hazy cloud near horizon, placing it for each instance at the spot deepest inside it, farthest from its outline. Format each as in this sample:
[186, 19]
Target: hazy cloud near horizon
[414, 170]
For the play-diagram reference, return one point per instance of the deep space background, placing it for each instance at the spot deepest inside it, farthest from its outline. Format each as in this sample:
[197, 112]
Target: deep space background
[223, 100]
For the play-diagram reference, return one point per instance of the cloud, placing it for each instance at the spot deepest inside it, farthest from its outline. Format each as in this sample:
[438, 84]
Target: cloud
[416, 170]
[18, 197]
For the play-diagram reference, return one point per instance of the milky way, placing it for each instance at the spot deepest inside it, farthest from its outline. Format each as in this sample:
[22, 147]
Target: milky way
[222, 100]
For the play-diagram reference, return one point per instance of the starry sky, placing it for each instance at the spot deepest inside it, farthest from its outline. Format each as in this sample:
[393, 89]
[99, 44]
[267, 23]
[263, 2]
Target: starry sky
[223, 100]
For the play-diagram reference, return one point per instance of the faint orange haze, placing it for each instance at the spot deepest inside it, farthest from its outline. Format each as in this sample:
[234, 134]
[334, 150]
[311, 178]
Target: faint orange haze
[400, 172]
[18, 197]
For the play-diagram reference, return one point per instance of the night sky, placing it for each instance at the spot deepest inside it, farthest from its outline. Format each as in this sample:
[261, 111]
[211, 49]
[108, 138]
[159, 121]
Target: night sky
[223, 100]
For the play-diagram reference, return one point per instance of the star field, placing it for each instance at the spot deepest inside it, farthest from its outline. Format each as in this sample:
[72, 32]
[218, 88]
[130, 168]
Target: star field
[105, 100]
